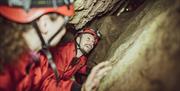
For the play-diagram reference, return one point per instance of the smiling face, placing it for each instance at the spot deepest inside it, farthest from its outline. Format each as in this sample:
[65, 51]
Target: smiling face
[86, 42]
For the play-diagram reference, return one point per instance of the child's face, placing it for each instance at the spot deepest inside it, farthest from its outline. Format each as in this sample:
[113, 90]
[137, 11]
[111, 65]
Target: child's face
[48, 28]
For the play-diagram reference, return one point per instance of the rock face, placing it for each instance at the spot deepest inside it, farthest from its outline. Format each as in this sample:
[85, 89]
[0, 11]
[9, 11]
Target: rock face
[86, 10]
[143, 46]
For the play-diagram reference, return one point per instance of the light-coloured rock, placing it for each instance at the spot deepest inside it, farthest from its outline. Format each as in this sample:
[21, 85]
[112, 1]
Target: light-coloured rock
[86, 10]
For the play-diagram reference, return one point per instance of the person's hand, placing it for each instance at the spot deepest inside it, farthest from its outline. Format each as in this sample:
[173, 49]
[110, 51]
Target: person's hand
[97, 73]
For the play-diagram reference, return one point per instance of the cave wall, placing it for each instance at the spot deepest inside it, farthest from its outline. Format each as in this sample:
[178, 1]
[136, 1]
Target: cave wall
[86, 10]
[112, 28]
[145, 55]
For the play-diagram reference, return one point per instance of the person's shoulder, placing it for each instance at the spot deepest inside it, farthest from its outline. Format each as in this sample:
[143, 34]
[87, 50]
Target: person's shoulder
[68, 44]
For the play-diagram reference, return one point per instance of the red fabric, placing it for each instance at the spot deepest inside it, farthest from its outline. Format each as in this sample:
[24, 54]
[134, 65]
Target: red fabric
[31, 81]
[41, 76]
[12, 74]
[63, 56]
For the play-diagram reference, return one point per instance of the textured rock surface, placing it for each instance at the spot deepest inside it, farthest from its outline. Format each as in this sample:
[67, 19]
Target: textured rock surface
[144, 48]
[86, 10]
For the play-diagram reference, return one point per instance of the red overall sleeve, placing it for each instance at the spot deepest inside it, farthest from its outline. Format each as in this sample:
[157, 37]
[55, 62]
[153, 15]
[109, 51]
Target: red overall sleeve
[40, 69]
[32, 80]
[12, 75]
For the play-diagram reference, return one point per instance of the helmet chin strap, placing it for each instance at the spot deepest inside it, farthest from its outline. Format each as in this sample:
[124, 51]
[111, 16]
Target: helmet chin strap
[46, 52]
[79, 47]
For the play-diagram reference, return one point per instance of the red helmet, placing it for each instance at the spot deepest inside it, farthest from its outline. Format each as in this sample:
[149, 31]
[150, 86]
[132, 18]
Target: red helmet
[18, 14]
[91, 31]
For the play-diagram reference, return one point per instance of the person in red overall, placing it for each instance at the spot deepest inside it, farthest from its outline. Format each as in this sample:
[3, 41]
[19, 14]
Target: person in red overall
[71, 59]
